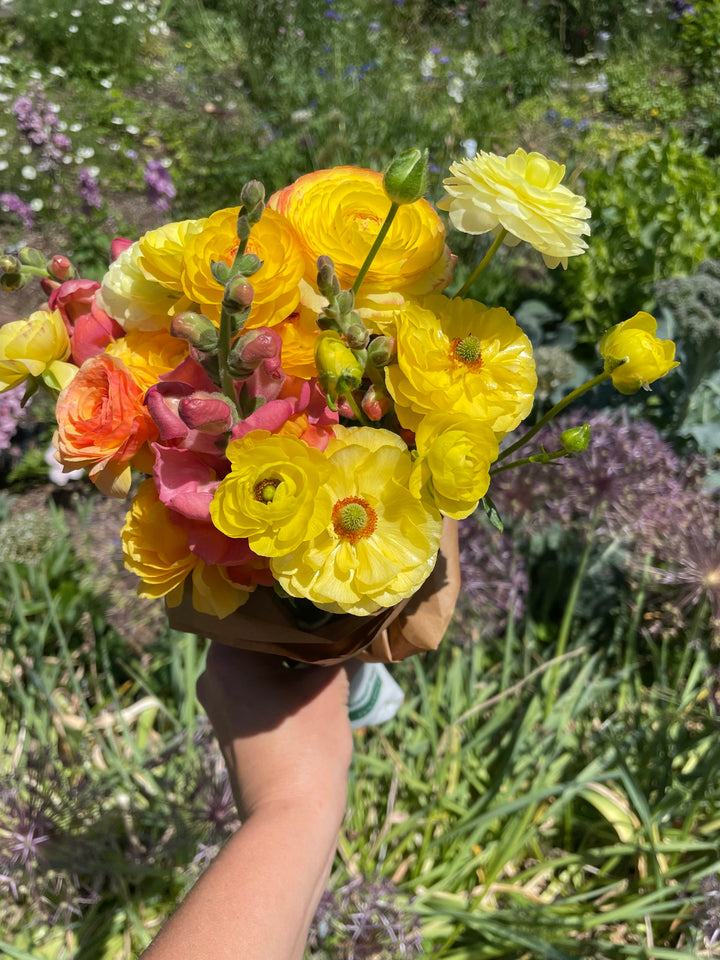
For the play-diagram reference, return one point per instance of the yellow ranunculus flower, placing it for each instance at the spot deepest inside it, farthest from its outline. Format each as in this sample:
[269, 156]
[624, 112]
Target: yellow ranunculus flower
[454, 458]
[148, 355]
[134, 298]
[154, 549]
[460, 357]
[641, 356]
[36, 347]
[160, 252]
[275, 493]
[275, 284]
[523, 194]
[213, 593]
[339, 212]
[381, 542]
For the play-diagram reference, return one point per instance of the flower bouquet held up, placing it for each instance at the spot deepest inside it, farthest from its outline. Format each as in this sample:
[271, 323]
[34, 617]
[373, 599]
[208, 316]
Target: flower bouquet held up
[312, 413]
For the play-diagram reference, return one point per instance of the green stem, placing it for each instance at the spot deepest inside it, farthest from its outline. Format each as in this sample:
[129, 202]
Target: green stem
[226, 381]
[497, 243]
[553, 412]
[382, 233]
[536, 458]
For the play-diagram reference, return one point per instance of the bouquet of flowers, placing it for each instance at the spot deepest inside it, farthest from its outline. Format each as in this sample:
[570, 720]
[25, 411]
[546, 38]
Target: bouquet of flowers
[309, 408]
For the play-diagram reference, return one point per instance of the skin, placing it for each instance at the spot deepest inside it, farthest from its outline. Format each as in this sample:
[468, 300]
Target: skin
[286, 739]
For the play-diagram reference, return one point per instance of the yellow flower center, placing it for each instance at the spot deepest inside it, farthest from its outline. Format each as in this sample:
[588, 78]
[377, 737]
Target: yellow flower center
[353, 518]
[264, 490]
[467, 351]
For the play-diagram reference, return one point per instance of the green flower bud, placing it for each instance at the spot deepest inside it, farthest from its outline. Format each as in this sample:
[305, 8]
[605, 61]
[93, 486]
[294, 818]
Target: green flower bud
[576, 439]
[11, 264]
[13, 281]
[328, 283]
[382, 350]
[199, 331]
[357, 335]
[247, 264]
[405, 179]
[337, 365]
[31, 257]
[252, 197]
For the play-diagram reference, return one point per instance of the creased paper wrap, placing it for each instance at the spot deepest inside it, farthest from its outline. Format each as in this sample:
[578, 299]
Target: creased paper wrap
[266, 625]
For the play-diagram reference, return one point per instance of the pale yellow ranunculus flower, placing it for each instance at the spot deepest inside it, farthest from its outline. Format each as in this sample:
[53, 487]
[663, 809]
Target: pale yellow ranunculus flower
[524, 195]
[381, 542]
[36, 347]
[633, 354]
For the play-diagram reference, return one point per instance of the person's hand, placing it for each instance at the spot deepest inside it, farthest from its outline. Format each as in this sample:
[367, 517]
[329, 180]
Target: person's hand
[284, 733]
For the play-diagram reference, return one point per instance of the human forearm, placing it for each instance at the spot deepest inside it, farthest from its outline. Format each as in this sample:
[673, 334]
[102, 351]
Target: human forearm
[258, 898]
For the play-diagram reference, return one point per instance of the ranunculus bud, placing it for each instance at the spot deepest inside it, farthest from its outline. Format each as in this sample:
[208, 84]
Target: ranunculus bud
[382, 350]
[576, 439]
[405, 179]
[634, 356]
[248, 264]
[376, 402]
[338, 367]
[31, 257]
[60, 268]
[10, 264]
[13, 281]
[199, 331]
[249, 351]
[239, 294]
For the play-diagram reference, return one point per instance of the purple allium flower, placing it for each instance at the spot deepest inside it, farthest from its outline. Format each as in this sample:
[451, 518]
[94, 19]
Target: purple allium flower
[160, 188]
[11, 203]
[10, 412]
[494, 578]
[332, 15]
[366, 919]
[89, 190]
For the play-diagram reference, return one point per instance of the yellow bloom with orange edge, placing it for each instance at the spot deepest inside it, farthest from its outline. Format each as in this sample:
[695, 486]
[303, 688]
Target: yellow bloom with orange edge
[461, 357]
[36, 347]
[381, 542]
[524, 195]
[275, 284]
[148, 355]
[634, 356]
[454, 459]
[339, 212]
[154, 548]
[275, 493]
[134, 297]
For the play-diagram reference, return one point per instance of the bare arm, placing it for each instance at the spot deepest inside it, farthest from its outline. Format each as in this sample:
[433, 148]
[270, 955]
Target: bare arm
[286, 739]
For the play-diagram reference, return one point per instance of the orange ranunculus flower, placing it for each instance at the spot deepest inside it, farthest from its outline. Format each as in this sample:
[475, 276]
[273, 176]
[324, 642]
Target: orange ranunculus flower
[154, 548]
[36, 347]
[634, 356]
[148, 355]
[275, 284]
[339, 212]
[102, 424]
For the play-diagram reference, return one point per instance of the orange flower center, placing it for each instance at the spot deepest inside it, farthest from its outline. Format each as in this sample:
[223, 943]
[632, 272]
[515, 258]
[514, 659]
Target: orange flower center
[264, 490]
[467, 350]
[353, 518]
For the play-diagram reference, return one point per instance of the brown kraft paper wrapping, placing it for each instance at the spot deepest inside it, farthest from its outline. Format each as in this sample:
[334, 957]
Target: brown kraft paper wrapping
[266, 625]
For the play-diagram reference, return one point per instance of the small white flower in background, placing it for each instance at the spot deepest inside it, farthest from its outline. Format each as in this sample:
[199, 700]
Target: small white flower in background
[28, 172]
[300, 116]
[73, 28]
[106, 84]
[470, 147]
[469, 63]
[55, 473]
[36, 204]
[599, 85]
[427, 66]
[455, 89]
